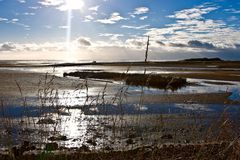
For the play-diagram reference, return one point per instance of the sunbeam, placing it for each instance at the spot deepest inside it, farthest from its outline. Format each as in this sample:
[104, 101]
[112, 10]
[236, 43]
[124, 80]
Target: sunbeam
[69, 28]
[71, 5]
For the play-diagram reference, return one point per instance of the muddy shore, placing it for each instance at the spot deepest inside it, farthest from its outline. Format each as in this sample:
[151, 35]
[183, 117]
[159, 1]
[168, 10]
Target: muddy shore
[19, 84]
[29, 86]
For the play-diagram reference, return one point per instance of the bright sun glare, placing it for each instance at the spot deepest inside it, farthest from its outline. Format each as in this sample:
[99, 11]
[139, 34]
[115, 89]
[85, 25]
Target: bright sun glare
[74, 4]
[69, 6]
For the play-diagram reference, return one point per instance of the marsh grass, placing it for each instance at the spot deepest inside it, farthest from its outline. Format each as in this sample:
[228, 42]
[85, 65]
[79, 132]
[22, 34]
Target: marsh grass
[149, 80]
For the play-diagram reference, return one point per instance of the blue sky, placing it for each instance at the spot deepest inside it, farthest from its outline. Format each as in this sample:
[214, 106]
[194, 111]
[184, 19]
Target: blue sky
[117, 29]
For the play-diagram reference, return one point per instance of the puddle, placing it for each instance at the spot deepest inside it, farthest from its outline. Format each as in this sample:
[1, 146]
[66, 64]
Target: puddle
[235, 95]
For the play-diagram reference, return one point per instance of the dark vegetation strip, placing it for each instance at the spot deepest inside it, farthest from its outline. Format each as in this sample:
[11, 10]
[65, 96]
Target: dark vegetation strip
[149, 80]
[192, 63]
[174, 152]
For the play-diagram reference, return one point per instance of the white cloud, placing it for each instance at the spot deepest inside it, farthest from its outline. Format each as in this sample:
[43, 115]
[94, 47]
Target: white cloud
[34, 7]
[14, 20]
[32, 47]
[112, 36]
[29, 14]
[193, 13]
[63, 27]
[137, 43]
[191, 25]
[141, 10]
[52, 2]
[135, 27]
[143, 17]
[131, 49]
[63, 5]
[21, 1]
[115, 17]
[233, 10]
[71, 5]
[94, 8]
[3, 19]
[88, 18]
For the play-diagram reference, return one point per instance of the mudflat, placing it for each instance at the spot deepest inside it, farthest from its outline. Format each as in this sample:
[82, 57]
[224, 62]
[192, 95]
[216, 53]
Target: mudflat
[28, 82]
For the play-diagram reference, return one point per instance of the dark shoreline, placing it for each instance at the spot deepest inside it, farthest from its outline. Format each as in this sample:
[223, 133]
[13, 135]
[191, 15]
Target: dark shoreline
[182, 63]
[220, 64]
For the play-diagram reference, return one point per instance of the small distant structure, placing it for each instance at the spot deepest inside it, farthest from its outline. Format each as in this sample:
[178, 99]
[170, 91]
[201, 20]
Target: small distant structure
[94, 62]
[146, 53]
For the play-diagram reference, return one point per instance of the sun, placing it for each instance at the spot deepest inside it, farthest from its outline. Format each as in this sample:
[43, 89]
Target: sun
[74, 4]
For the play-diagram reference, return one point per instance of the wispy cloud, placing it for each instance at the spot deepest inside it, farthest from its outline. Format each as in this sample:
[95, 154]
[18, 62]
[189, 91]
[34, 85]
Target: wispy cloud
[63, 27]
[88, 18]
[15, 21]
[34, 7]
[52, 2]
[143, 17]
[29, 14]
[3, 19]
[112, 36]
[63, 5]
[21, 1]
[233, 10]
[135, 27]
[140, 10]
[94, 8]
[115, 17]
[193, 13]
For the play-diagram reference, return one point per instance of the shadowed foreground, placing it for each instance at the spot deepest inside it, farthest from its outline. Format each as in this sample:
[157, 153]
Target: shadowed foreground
[223, 150]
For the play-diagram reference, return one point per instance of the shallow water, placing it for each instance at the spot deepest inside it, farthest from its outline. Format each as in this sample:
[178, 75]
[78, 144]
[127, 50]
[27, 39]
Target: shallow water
[97, 127]
[89, 110]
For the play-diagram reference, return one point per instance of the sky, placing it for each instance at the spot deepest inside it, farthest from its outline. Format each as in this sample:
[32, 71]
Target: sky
[117, 30]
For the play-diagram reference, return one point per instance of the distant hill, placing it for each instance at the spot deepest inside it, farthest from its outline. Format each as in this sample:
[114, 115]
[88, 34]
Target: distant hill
[203, 59]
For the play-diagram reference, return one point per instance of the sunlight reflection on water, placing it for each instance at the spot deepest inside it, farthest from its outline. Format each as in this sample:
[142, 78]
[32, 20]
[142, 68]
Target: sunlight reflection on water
[75, 127]
[95, 95]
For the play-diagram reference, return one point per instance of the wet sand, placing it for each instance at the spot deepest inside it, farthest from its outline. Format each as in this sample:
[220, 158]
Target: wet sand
[29, 86]
[212, 75]
[28, 82]
[197, 98]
